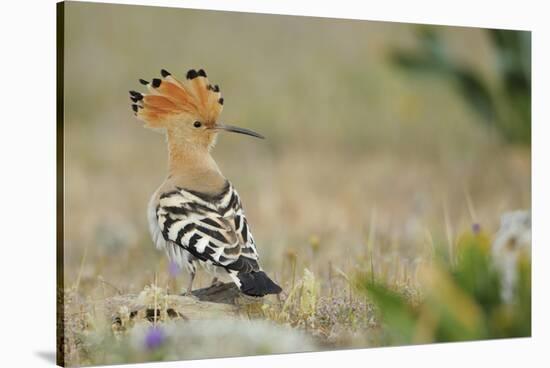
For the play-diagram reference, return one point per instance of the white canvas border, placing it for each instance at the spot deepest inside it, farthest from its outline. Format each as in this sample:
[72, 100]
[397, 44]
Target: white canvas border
[27, 150]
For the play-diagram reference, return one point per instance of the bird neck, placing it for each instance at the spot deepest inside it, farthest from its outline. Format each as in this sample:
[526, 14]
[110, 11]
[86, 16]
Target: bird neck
[191, 166]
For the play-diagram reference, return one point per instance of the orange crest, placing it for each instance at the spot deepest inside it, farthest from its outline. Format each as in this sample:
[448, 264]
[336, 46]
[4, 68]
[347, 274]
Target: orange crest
[169, 99]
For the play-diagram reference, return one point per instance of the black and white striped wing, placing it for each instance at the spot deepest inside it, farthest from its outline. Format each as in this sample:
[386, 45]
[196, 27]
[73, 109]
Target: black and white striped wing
[212, 228]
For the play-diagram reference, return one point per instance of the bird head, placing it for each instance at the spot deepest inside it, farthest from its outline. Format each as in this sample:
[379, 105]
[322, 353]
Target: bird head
[188, 110]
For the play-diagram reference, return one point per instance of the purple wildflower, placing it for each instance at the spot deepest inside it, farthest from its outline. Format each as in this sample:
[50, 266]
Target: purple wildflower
[173, 269]
[476, 228]
[155, 337]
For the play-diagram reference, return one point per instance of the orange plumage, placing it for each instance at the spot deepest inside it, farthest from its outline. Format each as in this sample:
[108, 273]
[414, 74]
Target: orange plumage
[170, 100]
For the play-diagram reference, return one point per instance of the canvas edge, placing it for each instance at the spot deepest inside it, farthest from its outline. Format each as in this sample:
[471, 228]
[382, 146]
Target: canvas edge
[60, 305]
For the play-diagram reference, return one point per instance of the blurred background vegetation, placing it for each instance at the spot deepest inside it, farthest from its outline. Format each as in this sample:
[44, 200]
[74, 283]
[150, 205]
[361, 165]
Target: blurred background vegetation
[385, 141]
[505, 105]
[462, 299]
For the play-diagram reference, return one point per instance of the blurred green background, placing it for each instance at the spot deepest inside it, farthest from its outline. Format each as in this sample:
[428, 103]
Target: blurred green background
[383, 139]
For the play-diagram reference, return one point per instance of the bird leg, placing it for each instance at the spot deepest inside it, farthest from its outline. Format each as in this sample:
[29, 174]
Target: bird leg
[216, 282]
[190, 284]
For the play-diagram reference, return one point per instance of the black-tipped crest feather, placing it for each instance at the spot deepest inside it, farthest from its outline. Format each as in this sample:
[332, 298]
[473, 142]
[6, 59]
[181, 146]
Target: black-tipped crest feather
[192, 74]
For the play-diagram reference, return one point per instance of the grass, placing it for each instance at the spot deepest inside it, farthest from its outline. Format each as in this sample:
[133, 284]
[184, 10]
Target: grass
[366, 171]
[451, 298]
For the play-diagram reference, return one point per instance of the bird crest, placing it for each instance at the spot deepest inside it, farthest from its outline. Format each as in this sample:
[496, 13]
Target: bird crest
[169, 100]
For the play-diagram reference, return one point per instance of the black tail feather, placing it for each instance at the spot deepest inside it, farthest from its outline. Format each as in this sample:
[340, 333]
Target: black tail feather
[257, 283]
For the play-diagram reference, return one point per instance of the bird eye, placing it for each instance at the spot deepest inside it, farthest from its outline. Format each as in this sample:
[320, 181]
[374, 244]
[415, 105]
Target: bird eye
[197, 124]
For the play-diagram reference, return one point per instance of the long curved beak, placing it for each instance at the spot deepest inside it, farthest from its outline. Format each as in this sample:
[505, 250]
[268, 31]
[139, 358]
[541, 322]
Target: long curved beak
[234, 129]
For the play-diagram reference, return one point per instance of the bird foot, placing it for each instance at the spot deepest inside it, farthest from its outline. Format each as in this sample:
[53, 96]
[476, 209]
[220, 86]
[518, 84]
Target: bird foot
[217, 283]
[189, 294]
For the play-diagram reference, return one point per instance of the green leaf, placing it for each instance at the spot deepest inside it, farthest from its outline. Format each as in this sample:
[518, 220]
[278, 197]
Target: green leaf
[395, 311]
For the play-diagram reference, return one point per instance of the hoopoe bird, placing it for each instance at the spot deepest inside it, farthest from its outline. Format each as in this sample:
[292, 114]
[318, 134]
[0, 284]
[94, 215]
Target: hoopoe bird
[196, 215]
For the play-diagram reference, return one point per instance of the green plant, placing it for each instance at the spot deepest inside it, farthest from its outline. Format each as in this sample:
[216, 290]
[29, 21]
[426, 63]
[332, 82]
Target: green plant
[504, 105]
[460, 299]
